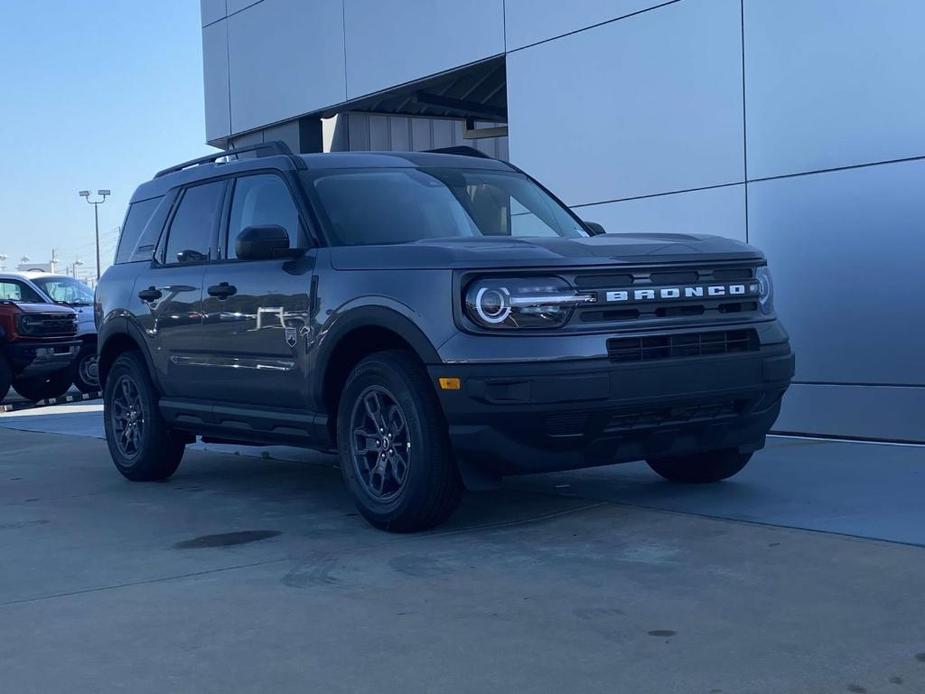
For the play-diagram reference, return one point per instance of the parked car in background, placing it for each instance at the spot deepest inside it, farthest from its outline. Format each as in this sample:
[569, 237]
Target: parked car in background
[38, 342]
[62, 289]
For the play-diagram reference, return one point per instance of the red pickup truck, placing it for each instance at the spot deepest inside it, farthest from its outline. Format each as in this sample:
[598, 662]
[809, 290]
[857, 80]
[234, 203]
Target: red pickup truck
[38, 343]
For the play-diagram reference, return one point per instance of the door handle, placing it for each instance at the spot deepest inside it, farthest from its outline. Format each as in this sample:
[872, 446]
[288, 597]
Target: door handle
[150, 294]
[223, 290]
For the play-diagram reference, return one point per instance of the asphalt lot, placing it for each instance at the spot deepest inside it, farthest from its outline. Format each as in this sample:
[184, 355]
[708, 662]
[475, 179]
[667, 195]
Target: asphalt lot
[252, 573]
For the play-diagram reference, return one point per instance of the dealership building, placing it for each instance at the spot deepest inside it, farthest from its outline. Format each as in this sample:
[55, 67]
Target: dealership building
[795, 125]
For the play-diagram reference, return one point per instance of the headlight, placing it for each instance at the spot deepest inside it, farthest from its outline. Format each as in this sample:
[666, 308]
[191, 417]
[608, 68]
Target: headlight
[765, 290]
[28, 323]
[522, 302]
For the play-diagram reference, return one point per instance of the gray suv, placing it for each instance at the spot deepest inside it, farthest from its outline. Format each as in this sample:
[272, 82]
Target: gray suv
[438, 319]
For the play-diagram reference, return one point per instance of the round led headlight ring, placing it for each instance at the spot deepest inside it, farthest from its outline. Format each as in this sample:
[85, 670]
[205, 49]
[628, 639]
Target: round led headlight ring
[493, 304]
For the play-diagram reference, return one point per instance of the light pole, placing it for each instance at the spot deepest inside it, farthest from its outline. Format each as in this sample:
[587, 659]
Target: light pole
[85, 194]
[3, 257]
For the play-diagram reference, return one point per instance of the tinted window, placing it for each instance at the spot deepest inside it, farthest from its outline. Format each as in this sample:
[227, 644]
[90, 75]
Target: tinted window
[136, 222]
[11, 290]
[405, 205]
[261, 200]
[190, 235]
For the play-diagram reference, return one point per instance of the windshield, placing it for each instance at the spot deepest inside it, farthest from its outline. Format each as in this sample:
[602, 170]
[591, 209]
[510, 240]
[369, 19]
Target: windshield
[376, 206]
[66, 290]
[16, 291]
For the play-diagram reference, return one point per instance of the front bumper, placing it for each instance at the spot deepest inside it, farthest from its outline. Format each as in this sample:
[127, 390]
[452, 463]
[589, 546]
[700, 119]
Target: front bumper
[515, 418]
[37, 357]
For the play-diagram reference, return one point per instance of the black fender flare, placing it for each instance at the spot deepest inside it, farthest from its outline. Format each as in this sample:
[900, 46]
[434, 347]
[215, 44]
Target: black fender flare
[122, 326]
[389, 317]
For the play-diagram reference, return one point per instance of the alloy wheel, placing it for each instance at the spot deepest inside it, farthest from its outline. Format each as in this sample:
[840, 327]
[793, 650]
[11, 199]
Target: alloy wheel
[380, 443]
[127, 416]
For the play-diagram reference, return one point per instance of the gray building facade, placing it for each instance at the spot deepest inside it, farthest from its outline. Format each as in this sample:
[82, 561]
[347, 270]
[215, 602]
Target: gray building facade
[797, 125]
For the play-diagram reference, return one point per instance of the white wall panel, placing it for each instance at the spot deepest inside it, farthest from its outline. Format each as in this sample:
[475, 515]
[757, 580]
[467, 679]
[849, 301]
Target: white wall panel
[648, 104]
[859, 411]
[238, 5]
[530, 21]
[719, 211]
[831, 84]
[390, 42]
[215, 80]
[846, 251]
[212, 11]
[287, 58]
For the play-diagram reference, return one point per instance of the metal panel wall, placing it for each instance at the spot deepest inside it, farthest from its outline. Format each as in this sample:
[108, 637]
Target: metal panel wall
[286, 59]
[832, 84]
[846, 251]
[389, 42]
[641, 115]
[215, 79]
[647, 104]
[719, 211]
[531, 21]
[212, 11]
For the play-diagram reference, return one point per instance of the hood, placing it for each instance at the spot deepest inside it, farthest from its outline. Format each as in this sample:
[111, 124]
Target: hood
[44, 308]
[489, 252]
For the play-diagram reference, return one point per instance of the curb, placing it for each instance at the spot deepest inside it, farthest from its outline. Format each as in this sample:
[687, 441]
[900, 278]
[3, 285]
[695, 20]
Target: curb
[64, 399]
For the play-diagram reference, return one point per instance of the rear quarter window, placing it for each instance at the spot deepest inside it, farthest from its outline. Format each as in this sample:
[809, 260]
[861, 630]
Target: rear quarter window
[141, 229]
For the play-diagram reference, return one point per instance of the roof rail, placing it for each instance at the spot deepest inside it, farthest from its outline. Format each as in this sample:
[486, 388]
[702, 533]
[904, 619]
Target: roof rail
[461, 151]
[263, 149]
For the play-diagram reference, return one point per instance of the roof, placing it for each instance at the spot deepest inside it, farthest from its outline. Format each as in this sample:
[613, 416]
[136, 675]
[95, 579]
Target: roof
[199, 170]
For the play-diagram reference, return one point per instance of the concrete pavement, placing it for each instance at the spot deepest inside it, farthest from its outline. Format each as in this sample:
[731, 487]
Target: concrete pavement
[257, 575]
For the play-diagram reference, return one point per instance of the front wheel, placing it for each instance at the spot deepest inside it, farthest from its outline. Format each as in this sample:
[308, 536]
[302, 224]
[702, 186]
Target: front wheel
[701, 468]
[86, 370]
[394, 449]
[142, 447]
[46, 387]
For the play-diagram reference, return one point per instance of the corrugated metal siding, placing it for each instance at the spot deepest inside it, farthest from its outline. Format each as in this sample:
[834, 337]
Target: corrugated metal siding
[358, 131]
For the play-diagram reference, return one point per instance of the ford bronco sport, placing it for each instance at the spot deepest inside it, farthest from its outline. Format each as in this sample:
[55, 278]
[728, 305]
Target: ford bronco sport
[439, 320]
[37, 342]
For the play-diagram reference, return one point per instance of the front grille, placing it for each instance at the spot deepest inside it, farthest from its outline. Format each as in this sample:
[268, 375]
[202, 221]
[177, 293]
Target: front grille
[679, 346]
[52, 325]
[694, 308]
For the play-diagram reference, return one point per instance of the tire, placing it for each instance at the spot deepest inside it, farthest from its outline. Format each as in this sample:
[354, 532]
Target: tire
[701, 468]
[86, 369]
[419, 486]
[143, 449]
[46, 387]
[6, 377]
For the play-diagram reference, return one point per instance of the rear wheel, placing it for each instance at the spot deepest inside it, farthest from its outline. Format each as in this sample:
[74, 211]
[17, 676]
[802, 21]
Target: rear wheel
[86, 369]
[394, 449]
[142, 447]
[6, 377]
[701, 468]
[46, 387]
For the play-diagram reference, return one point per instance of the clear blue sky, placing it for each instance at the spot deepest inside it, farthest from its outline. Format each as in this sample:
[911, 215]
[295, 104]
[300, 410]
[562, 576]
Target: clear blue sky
[93, 95]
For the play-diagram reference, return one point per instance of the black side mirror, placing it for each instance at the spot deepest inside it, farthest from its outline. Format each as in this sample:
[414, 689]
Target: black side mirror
[595, 229]
[265, 242]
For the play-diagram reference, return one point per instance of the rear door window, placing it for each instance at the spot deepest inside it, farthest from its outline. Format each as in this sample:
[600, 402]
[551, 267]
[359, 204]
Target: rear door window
[136, 231]
[189, 238]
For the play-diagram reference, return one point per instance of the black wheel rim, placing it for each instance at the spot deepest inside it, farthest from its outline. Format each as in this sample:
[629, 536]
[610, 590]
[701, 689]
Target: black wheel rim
[380, 443]
[127, 416]
[88, 370]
